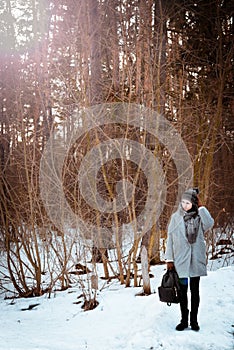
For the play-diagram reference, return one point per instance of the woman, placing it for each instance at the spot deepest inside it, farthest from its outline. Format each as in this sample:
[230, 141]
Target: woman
[186, 252]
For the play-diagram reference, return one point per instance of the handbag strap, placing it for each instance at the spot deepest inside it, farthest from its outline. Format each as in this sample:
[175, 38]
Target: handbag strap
[175, 279]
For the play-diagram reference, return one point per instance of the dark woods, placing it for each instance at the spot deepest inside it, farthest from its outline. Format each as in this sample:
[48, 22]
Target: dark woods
[56, 56]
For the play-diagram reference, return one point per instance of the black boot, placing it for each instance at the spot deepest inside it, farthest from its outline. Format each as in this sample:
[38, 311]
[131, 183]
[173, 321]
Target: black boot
[193, 322]
[184, 321]
[181, 326]
[195, 326]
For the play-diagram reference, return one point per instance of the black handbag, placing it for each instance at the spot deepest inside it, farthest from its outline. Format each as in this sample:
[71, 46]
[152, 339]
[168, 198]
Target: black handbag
[169, 291]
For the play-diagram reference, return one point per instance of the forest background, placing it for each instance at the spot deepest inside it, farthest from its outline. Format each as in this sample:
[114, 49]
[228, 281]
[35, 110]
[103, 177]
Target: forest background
[59, 57]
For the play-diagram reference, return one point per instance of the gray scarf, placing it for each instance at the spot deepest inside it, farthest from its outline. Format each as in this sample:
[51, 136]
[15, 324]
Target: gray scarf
[192, 221]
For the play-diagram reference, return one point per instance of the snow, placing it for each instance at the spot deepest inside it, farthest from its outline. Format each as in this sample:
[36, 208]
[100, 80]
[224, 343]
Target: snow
[122, 319]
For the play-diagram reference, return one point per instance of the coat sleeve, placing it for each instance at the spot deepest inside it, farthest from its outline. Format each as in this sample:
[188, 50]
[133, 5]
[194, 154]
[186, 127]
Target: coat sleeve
[206, 218]
[169, 255]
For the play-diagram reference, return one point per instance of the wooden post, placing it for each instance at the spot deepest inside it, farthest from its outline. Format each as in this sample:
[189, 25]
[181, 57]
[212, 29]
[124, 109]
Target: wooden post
[145, 271]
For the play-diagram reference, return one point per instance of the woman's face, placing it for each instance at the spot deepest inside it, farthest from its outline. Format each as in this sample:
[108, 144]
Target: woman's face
[186, 205]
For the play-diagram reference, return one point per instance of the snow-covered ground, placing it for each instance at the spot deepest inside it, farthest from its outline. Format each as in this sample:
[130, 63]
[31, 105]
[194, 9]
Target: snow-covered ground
[122, 320]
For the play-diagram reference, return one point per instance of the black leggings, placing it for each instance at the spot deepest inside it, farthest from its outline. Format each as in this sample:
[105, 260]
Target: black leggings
[195, 298]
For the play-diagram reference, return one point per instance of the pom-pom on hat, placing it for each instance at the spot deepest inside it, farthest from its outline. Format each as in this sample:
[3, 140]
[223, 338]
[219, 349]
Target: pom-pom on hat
[191, 195]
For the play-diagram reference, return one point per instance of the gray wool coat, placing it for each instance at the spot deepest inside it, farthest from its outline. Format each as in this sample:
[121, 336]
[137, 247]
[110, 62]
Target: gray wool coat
[189, 259]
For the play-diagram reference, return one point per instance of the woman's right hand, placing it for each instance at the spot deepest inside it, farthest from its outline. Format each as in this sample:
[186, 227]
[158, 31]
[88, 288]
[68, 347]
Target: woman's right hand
[170, 265]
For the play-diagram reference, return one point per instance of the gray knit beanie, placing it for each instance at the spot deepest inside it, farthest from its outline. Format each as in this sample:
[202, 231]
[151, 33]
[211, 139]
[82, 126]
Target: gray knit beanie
[191, 195]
